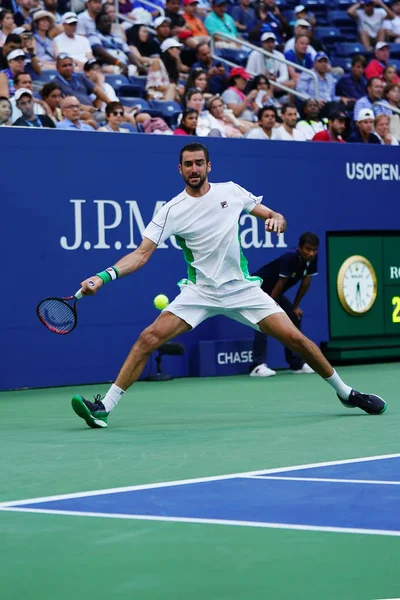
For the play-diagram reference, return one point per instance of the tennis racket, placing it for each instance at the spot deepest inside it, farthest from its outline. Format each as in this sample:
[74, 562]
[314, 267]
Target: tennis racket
[58, 315]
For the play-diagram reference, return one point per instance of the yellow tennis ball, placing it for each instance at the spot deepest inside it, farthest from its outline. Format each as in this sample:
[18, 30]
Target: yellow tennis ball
[161, 301]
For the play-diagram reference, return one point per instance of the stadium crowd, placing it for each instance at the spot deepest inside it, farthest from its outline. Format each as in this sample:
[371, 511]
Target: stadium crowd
[150, 69]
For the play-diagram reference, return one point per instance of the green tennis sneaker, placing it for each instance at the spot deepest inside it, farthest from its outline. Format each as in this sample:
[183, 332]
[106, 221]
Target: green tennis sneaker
[94, 413]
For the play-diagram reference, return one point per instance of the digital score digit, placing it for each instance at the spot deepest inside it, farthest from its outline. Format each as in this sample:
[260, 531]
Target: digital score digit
[396, 309]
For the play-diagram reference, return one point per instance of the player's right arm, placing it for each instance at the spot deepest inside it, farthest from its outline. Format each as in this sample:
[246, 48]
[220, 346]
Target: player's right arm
[125, 266]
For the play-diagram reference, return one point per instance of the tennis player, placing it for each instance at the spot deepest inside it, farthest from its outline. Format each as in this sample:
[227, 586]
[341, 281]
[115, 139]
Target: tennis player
[204, 218]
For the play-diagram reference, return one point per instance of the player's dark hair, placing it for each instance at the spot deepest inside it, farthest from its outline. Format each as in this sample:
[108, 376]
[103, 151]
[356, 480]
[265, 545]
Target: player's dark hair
[309, 238]
[264, 109]
[195, 147]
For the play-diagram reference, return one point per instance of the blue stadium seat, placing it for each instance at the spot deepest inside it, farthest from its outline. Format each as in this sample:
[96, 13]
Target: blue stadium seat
[130, 90]
[139, 82]
[116, 81]
[345, 23]
[341, 61]
[170, 110]
[346, 49]
[396, 63]
[394, 51]
[239, 57]
[144, 105]
[47, 75]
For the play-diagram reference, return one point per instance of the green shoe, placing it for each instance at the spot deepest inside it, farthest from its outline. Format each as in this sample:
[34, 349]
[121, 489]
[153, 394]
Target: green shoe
[94, 413]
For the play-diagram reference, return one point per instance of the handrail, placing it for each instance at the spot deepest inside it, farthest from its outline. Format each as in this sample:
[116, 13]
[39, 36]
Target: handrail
[395, 110]
[265, 53]
[273, 83]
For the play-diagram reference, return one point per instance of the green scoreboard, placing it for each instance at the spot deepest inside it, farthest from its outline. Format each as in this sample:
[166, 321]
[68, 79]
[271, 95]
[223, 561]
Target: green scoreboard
[364, 295]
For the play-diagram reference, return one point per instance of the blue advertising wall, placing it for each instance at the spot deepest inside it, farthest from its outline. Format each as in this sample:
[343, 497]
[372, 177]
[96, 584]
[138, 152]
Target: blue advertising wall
[73, 204]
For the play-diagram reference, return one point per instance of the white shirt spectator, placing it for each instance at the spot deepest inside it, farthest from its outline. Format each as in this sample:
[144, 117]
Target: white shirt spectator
[371, 24]
[77, 47]
[109, 92]
[259, 64]
[283, 135]
[86, 25]
[393, 26]
[310, 128]
[290, 46]
[259, 134]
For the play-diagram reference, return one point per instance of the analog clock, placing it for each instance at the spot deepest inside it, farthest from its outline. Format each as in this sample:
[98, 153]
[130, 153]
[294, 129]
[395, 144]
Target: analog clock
[356, 285]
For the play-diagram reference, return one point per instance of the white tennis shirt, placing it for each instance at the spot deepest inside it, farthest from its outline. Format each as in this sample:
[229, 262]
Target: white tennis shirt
[207, 230]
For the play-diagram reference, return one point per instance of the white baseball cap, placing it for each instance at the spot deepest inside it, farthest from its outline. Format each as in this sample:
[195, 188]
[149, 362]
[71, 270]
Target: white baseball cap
[381, 45]
[22, 92]
[268, 35]
[302, 23]
[69, 17]
[159, 21]
[299, 9]
[170, 43]
[365, 113]
[16, 54]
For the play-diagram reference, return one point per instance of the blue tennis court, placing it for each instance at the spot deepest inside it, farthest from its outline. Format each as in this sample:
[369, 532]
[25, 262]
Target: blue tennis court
[354, 496]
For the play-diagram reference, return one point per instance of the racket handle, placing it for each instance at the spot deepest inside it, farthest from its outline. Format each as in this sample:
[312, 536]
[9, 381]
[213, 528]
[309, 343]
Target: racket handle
[79, 293]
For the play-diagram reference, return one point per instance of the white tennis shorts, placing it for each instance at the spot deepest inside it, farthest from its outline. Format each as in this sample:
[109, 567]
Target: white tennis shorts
[243, 301]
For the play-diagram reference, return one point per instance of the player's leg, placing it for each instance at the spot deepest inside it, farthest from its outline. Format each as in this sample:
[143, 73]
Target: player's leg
[279, 326]
[164, 328]
[294, 360]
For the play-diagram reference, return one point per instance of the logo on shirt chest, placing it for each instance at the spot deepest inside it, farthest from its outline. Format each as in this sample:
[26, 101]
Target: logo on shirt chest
[224, 204]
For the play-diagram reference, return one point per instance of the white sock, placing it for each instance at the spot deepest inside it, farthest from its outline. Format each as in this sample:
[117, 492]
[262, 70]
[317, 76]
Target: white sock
[112, 397]
[341, 388]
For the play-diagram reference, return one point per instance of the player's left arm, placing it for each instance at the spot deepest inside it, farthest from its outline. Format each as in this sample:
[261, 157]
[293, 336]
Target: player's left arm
[274, 221]
[301, 292]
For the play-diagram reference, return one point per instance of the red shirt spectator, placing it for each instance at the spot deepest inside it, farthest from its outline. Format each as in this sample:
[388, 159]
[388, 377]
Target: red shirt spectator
[336, 126]
[378, 64]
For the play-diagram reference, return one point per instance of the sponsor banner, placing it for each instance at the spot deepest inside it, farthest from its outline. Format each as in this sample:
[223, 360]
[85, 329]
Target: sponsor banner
[223, 357]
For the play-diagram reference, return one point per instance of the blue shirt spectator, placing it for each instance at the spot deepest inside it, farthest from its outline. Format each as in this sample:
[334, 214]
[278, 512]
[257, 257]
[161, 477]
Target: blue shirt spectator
[304, 60]
[77, 85]
[244, 16]
[76, 126]
[353, 84]
[374, 94]
[326, 81]
[215, 69]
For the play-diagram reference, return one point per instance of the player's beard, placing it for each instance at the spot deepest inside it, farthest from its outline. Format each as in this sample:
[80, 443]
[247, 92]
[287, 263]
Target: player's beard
[197, 185]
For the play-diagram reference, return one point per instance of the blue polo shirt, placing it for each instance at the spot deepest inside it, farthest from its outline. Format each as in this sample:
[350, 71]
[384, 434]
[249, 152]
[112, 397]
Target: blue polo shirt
[78, 86]
[289, 266]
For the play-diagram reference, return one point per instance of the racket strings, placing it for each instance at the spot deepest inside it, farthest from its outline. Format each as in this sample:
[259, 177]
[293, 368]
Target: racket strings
[57, 315]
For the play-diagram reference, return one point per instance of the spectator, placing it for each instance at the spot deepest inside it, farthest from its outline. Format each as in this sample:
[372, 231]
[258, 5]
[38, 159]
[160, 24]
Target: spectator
[13, 42]
[265, 95]
[244, 17]
[364, 128]
[125, 7]
[170, 56]
[197, 79]
[52, 95]
[28, 45]
[23, 15]
[142, 45]
[193, 23]
[353, 85]
[71, 112]
[24, 80]
[5, 112]
[336, 126]
[115, 114]
[389, 75]
[24, 100]
[274, 69]
[76, 46]
[51, 6]
[76, 84]
[188, 123]
[301, 27]
[16, 64]
[288, 131]
[87, 18]
[392, 27]
[326, 82]
[218, 21]
[374, 94]
[94, 73]
[216, 72]
[311, 122]
[391, 97]
[269, 18]
[206, 124]
[224, 119]
[111, 50]
[243, 105]
[155, 13]
[370, 19]
[43, 21]
[116, 29]
[299, 56]
[378, 64]
[7, 25]
[162, 25]
[266, 125]
[163, 76]
[382, 125]
[300, 13]
[177, 22]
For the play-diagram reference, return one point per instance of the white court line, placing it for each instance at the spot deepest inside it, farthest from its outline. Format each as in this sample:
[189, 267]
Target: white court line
[12, 503]
[322, 479]
[295, 526]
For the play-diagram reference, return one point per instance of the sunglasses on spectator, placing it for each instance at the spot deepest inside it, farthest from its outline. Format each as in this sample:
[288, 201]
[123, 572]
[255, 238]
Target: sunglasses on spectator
[64, 55]
[118, 113]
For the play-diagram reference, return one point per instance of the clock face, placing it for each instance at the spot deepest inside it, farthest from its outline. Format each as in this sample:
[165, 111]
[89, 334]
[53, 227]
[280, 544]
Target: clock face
[357, 285]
